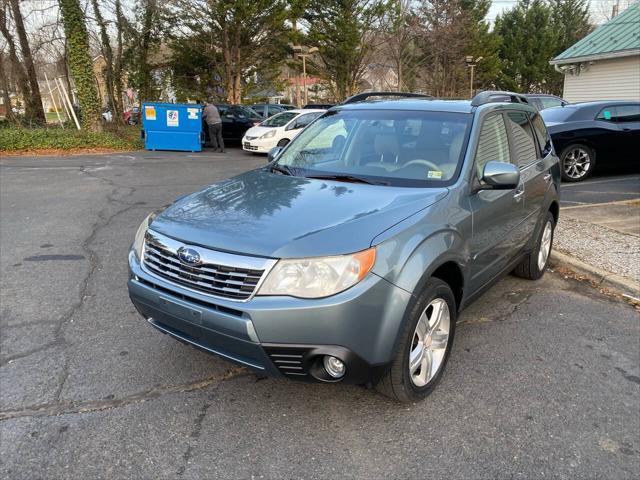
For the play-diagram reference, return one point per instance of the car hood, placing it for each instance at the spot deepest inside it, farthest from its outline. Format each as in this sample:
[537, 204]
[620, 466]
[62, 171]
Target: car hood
[271, 215]
[258, 131]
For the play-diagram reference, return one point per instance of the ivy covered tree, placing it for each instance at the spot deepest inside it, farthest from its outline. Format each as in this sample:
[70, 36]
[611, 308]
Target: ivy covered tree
[80, 63]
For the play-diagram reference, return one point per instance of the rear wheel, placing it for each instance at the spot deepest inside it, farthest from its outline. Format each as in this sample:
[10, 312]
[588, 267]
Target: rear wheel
[425, 345]
[535, 263]
[283, 142]
[577, 162]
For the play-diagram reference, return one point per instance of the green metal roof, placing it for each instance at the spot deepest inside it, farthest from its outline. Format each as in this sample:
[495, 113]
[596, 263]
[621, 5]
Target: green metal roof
[618, 37]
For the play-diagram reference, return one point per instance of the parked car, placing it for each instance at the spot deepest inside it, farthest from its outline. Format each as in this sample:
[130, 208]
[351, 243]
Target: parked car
[323, 106]
[349, 257]
[605, 133]
[236, 120]
[278, 130]
[542, 100]
[266, 110]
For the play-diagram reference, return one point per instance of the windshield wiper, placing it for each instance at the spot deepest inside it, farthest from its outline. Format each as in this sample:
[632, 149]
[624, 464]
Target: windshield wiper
[283, 169]
[347, 178]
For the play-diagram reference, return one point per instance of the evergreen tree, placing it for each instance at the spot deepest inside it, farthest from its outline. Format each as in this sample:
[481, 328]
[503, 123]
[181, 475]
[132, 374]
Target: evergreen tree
[529, 41]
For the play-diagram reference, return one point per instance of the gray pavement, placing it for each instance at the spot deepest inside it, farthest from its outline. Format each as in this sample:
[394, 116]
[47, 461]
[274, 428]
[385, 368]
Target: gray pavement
[601, 188]
[544, 379]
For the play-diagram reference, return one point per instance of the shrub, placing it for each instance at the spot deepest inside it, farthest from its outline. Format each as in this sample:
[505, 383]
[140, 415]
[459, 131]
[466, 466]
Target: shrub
[20, 139]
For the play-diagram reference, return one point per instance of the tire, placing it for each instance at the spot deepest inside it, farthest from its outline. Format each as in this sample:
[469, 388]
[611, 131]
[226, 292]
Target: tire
[577, 162]
[283, 142]
[399, 383]
[535, 263]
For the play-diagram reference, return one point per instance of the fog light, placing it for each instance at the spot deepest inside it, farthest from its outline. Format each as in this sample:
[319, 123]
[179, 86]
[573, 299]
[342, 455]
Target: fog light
[334, 366]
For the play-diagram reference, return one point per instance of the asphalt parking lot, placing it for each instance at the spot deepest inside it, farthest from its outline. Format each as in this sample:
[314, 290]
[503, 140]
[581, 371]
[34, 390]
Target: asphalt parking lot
[543, 382]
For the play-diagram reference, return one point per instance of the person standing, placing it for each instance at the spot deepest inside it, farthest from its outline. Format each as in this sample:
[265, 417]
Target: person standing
[212, 118]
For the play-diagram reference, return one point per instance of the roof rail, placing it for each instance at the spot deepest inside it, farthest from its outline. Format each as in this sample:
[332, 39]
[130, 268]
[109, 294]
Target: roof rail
[361, 97]
[490, 96]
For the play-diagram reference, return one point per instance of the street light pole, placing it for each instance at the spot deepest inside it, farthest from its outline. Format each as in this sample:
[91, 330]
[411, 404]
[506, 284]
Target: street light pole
[304, 78]
[471, 63]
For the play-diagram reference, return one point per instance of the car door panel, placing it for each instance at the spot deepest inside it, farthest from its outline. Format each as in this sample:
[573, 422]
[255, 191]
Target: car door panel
[498, 215]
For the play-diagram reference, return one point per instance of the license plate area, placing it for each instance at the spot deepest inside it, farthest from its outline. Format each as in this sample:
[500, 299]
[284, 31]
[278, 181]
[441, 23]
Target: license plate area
[180, 310]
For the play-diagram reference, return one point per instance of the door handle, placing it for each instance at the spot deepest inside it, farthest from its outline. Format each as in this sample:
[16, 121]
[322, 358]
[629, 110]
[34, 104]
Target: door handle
[547, 177]
[519, 193]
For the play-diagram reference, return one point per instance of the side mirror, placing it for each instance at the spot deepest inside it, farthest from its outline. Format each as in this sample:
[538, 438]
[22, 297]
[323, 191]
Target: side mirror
[501, 175]
[273, 153]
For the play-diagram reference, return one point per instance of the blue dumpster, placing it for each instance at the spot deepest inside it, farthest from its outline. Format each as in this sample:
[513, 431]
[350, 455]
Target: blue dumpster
[172, 126]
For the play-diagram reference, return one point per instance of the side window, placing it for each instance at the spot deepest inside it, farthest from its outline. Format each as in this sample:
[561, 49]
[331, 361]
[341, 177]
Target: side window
[540, 129]
[548, 102]
[493, 143]
[627, 113]
[237, 112]
[607, 114]
[259, 109]
[524, 146]
[304, 120]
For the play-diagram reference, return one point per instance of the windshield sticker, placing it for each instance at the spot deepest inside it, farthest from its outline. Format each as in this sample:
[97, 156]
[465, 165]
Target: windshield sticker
[434, 174]
[607, 115]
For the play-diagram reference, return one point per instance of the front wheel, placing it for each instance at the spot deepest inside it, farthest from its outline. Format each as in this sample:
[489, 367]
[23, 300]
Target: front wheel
[425, 344]
[283, 142]
[577, 162]
[535, 263]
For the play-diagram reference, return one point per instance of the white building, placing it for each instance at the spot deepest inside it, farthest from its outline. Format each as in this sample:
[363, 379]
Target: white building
[604, 65]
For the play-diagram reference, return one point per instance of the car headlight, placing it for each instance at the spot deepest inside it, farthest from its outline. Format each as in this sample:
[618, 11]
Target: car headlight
[318, 277]
[269, 134]
[138, 241]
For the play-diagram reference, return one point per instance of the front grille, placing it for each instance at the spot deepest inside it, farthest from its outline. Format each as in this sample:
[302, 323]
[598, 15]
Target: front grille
[222, 280]
[288, 360]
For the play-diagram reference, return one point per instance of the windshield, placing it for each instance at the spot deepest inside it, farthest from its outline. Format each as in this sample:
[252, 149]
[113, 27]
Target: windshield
[400, 148]
[279, 120]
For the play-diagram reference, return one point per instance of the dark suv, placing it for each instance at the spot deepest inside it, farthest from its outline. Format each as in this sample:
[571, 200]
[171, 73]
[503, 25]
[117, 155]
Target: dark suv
[350, 255]
[236, 120]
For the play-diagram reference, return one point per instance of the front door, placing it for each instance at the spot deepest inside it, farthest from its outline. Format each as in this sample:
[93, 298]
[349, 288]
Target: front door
[498, 230]
[534, 171]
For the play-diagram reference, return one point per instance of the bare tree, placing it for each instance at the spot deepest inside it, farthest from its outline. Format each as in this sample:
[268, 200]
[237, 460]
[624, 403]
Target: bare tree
[35, 100]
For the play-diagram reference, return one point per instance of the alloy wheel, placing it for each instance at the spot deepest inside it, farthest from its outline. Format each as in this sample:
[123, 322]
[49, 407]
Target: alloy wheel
[545, 246]
[577, 163]
[429, 342]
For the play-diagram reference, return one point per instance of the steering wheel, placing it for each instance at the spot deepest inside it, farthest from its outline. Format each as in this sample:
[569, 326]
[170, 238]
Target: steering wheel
[420, 161]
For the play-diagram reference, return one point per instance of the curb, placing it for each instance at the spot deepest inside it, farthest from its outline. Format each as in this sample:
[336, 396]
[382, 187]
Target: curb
[599, 277]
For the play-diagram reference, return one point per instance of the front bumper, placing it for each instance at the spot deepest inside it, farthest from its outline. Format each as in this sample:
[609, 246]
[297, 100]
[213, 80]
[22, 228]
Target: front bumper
[280, 336]
[258, 145]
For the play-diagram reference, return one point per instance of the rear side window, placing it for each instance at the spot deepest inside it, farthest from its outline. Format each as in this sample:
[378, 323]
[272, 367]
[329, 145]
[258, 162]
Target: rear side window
[627, 113]
[524, 146]
[493, 143]
[548, 102]
[306, 119]
[540, 129]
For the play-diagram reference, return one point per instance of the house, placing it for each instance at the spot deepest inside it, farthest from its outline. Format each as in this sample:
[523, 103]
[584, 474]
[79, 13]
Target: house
[604, 65]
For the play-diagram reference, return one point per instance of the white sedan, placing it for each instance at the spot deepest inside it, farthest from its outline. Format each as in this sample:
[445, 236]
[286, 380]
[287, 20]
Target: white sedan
[278, 130]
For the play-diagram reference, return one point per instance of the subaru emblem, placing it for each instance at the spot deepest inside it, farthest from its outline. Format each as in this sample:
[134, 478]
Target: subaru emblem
[189, 256]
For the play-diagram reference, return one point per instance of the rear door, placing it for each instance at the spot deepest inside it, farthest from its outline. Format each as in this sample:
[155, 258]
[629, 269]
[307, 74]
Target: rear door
[497, 214]
[534, 174]
[627, 119]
